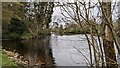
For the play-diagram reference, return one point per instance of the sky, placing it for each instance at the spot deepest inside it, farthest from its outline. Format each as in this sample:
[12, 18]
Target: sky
[58, 17]
[57, 13]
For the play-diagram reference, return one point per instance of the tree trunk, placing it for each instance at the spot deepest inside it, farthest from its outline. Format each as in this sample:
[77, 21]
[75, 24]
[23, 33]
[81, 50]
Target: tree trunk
[107, 37]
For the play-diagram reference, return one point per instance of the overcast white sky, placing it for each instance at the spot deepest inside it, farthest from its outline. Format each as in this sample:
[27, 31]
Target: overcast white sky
[57, 13]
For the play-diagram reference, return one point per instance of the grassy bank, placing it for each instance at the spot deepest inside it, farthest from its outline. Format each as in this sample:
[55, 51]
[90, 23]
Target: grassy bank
[6, 61]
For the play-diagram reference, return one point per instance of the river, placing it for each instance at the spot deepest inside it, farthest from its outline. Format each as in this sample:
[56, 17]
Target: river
[52, 50]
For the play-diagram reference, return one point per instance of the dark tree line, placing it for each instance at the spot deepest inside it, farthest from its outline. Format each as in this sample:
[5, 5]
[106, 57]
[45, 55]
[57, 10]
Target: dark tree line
[36, 16]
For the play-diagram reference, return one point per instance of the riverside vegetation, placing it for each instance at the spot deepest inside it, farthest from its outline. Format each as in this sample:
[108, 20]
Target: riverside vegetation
[17, 24]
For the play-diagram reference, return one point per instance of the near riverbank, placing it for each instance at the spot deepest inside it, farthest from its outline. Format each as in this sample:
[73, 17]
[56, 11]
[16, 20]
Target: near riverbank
[6, 61]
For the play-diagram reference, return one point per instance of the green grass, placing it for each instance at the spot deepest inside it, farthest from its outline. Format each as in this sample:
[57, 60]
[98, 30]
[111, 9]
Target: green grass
[0, 56]
[6, 62]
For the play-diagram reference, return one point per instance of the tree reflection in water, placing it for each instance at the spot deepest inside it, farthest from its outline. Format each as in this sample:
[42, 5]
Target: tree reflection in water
[36, 52]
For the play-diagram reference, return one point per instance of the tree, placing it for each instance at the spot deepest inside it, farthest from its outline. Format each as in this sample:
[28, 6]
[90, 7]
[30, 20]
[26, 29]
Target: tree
[17, 26]
[107, 35]
[82, 12]
[38, 14]
[11, 10]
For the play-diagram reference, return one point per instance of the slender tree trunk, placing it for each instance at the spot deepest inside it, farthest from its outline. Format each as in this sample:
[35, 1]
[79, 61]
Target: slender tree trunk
[108, 43]
[90, 51]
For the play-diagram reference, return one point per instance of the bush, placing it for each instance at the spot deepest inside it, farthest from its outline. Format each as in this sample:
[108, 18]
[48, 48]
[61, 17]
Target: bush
[16, 28]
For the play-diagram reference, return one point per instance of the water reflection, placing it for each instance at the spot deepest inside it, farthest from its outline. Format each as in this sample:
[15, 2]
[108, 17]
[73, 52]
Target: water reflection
[35, 51]
[41, 51]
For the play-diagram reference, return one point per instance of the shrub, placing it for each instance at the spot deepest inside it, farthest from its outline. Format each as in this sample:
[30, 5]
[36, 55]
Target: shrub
[16, 28]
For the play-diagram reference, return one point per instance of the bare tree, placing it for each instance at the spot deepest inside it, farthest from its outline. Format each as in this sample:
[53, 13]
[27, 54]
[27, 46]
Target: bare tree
[104, 52]
[108, 42]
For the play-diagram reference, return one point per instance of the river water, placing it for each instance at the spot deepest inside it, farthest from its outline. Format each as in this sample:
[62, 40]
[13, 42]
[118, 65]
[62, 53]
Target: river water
[52, 50]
